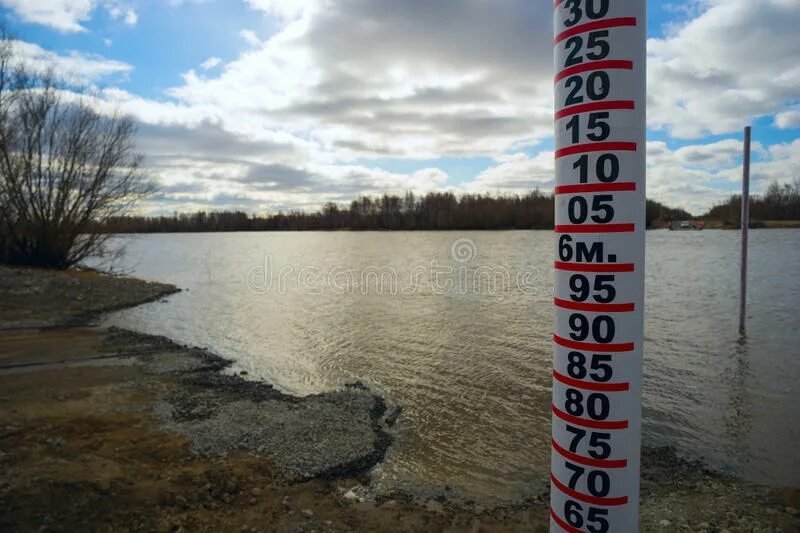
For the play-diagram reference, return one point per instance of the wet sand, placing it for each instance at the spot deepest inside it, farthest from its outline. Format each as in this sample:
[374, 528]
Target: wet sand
[106, 429]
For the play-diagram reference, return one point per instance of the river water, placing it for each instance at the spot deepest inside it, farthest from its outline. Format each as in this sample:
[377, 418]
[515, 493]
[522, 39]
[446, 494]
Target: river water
[455, 326]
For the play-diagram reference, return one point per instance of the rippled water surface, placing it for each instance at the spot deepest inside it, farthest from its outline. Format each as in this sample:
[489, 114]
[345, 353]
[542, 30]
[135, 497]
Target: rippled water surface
[456, 328]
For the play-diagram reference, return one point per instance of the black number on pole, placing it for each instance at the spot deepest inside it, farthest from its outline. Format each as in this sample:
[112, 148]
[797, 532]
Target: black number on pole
[575, 13]
[574, 84]
[603, 371]
[572, 513]
[596, 45]
[606, 168]
[597, 121]
[599, 441]
[596, 12]
[573, 45]
[597, 42]
[578, 433]
[597, 404]
[595, 9]
[600, 205]
[602, 328]
[573, 126]
[582, 165]
[577, 472]
[574, 403]
[577, 209]
[598, 85]
[577, 365]
[598, 483]
[605, 291]
[595, 92]
[596, 515]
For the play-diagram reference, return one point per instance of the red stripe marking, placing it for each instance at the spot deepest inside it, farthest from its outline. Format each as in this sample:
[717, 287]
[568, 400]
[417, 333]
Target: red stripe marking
[588, 346]
[557, 3]
[594, 267]
[596, 147]
[563, 525]
[596, 187]
[594, 106]
[589, 461]
[596, 25]
[591, 385]
[595, 500]
[591, 306]
[595, 228]
[589, 423]
[604, 64]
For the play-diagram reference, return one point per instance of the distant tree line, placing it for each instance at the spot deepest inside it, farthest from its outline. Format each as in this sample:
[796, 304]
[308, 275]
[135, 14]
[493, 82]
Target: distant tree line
[778, 202]
[658, 214]
[433, 211]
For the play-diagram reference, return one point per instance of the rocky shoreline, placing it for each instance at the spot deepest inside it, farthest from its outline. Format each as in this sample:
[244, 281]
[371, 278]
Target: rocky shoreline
[104, 428]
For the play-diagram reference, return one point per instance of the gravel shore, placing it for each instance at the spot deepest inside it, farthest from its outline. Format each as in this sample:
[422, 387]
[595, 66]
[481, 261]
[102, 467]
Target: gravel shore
[107, 429]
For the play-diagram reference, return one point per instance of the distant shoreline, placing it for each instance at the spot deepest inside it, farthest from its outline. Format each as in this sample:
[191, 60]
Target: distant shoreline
[769, 224]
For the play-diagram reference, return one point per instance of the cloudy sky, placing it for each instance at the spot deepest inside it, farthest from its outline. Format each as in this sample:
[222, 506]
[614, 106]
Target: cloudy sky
[265, 105]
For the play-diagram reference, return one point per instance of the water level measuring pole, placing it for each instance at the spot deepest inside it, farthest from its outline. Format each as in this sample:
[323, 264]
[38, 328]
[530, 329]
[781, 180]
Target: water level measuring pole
[599, 267]
[745, 224]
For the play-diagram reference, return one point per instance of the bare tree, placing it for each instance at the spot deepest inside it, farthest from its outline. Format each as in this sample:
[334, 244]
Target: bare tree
[65, 169]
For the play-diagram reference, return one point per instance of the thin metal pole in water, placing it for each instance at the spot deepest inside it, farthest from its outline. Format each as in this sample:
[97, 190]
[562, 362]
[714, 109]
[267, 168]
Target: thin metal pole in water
[745, 223]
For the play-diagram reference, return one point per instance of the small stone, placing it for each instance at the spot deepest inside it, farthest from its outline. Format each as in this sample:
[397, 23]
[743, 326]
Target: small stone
[308, 513]
[792, 511]
[665, 523]
[255, 491]
[434, 507]
[350, 495]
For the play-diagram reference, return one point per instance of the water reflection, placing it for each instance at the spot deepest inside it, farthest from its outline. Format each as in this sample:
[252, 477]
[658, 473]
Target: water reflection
[738, 417]
[472, 368]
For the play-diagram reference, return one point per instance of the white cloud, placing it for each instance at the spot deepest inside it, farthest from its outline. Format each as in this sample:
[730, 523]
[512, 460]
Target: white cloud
[119, 10]
[63, 15]
[286, 9]
[250, 37]
[210, 63]
[517, 173]
[74, 67]
[697, 176]
[693, 177]
[68, 15]
[736, 61]
[296, 118]
[788, 119]
[397, 82]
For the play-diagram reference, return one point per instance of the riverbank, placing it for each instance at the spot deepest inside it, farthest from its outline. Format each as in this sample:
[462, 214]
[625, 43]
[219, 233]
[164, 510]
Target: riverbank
[106, 428]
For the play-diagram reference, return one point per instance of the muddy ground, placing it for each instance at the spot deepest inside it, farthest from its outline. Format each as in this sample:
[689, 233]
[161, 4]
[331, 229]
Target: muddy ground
[106, 429]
